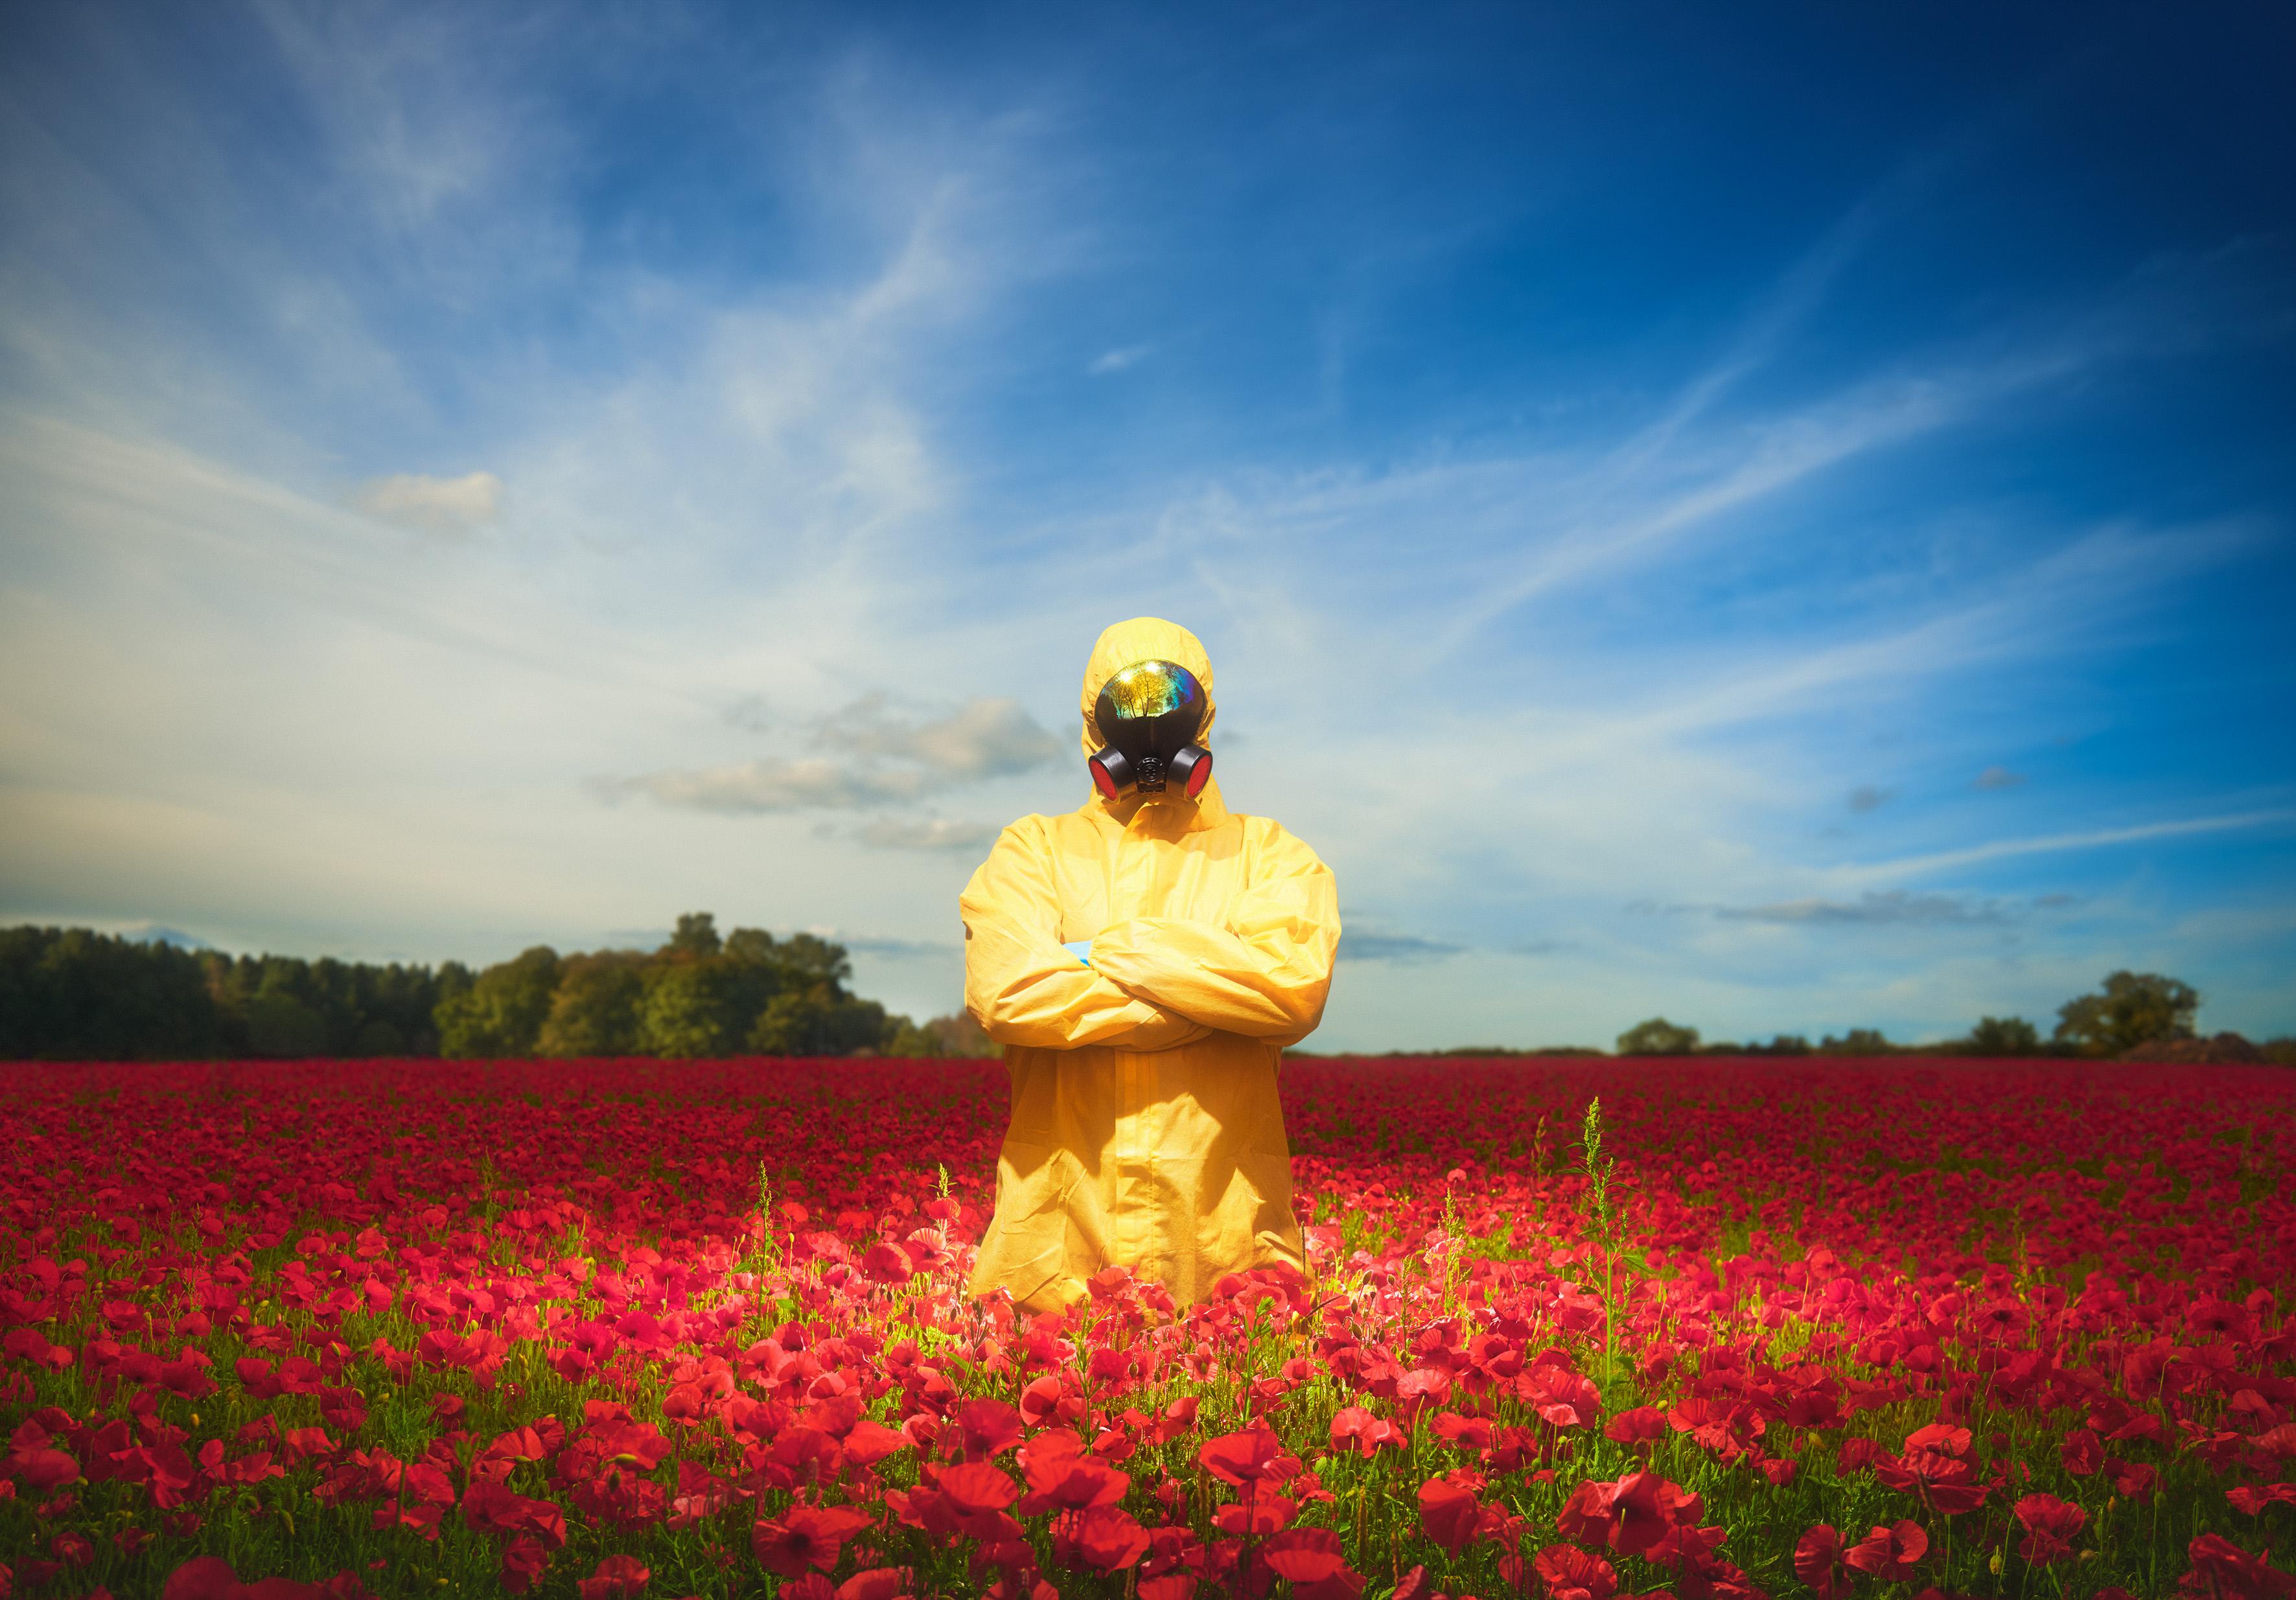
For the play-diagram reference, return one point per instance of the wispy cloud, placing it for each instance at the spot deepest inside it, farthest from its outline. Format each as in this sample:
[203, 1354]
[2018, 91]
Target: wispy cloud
[1894, 909]
[1909, 866]
[1118, 360]
[1996, 777]
[776, 784]
[892, 949]
[877, 757]
[930, 834]
[984, 738]
[452, 506]
[1393, 947]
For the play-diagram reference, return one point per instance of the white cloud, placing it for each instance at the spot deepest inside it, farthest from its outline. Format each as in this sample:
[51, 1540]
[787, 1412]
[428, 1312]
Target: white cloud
[880, 758]
[1908, 866]
[983, 738]
[1393, 947]
[751, 788]
[1896, 908]
[929, 834]
[437, 504]
[1118, 360]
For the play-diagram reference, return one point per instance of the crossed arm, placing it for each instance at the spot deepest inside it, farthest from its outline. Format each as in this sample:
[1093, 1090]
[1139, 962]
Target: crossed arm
[1154, 983]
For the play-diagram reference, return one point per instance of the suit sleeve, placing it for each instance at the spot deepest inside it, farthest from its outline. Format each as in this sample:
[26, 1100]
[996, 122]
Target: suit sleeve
[1265, 972]
[1021, 987]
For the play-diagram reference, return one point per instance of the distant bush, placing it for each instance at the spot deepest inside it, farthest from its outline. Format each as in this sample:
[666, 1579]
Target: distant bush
[1858, 1041]
[955, 1035]
[1658, 1037]
[2132, 1009]
[2003, 1036]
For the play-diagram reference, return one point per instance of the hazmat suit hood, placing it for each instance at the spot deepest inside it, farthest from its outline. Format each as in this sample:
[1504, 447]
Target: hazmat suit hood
[1126, 644]
[1144, 639]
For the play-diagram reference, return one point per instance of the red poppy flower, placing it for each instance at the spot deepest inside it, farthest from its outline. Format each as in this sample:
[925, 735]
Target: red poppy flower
[1304, 1555]
[875, 1583]
[1448, 1509]
[809, 1536]
[1257, 1513]
[1640, 1425]
[1585, 1516]
[1818, 1562]
[43, 1470]
[975, 1486]
[617, 1578]
[2131, 1479]
[990, 1427]
[2223, 1571]
[523, 1562]
[2050, 1527]
[1109, 1539]
[1353, 1428]
[1242, 1458]
[1889, 1554]
[1643, 1507]
[1570, 1574]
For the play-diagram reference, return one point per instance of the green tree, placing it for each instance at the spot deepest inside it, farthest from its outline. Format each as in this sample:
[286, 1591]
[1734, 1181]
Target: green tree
[2133, 1009]
[279, 1024]
[821, 1019]
[1858, 1041]
[502, 1013]
[2004, 1036]
[684, 1011]
[815, 959]
[73, 993]
[753, 969]
[752, 945]
[696, 937]
[394, 1005]
[595, 1010]
[957, 1036]
[1658, 1037]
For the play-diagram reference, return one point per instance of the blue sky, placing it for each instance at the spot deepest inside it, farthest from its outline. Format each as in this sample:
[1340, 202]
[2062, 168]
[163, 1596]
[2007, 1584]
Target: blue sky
[1779, 518]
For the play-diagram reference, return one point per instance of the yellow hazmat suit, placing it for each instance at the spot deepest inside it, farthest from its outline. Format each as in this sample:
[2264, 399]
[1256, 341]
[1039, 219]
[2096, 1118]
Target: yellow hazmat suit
[1146, 1131]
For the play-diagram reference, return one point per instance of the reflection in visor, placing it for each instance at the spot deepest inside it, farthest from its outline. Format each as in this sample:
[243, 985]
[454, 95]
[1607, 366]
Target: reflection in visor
[1151, 689]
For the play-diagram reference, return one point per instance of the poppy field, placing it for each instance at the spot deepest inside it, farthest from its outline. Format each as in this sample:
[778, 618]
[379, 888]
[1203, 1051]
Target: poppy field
[1569, 1329]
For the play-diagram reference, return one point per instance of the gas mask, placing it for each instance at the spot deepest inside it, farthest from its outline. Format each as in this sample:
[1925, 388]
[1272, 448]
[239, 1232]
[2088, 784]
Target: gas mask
[1147, 718]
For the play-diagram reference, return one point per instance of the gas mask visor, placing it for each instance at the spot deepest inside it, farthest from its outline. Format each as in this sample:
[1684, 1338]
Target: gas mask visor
[1147, 720]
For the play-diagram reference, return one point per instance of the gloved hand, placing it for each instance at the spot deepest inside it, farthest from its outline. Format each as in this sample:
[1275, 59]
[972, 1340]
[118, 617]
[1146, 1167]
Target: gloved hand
[1081, 950]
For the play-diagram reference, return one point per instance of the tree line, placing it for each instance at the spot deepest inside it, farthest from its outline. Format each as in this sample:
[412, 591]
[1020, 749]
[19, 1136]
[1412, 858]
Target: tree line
[70, 993]
[2131, 1011]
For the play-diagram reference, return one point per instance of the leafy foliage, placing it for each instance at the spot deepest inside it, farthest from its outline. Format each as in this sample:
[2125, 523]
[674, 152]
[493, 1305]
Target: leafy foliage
[71, 993]
[1658, 1037]
[1857, 1041]
[2004, 1036]
[2133, 1009]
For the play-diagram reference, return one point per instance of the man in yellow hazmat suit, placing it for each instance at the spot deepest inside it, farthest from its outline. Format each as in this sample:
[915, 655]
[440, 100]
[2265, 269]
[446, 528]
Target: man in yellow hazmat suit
[1143, 960]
